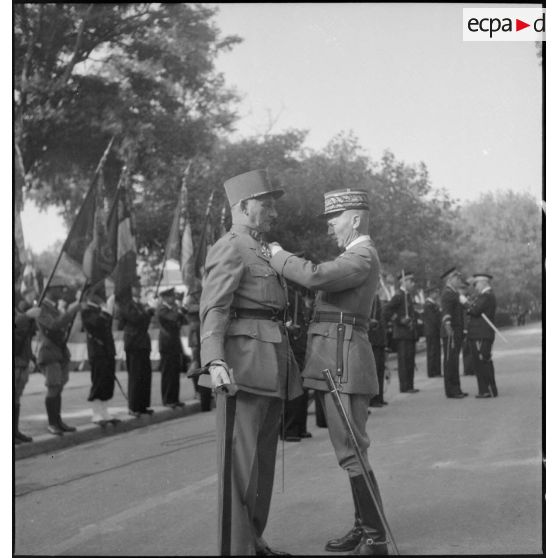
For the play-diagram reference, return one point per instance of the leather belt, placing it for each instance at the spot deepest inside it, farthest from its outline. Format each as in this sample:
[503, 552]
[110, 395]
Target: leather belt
[258, 314]
[348, 318]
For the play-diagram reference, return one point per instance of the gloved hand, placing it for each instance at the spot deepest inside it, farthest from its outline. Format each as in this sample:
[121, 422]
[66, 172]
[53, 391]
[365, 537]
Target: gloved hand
[275, 247]
[448, 328]
[405, 321]
[463, 299]
[221, 377]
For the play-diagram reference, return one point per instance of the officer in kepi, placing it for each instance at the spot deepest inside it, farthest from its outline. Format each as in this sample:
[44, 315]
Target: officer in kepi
[244, 343]
[346, 287]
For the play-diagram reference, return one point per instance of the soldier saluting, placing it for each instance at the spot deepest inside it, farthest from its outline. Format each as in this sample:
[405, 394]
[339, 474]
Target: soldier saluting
[244, 340]
[346, 288]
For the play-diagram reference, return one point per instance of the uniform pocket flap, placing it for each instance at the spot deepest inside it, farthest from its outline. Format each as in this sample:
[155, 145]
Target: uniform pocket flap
[264, 330]
[328, 329]
[260, 270]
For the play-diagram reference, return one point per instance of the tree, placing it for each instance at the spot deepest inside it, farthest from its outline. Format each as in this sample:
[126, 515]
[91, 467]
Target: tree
[501, 233]
[143, 72]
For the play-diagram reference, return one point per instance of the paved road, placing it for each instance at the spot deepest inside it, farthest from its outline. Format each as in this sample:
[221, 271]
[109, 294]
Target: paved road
[457, 477]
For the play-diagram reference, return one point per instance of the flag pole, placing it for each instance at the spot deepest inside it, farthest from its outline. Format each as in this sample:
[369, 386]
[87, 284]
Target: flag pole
[92, 185]
[203, 232]
[176, 216]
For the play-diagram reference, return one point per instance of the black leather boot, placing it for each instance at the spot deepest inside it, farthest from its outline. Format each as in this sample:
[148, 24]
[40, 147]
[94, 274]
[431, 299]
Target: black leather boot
[350, 540]
[62, 425]
[373, 541]
[18, 436]
[53, 428]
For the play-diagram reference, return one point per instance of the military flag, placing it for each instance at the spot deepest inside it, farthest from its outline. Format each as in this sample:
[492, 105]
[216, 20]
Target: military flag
[18, 242]
[122, 234]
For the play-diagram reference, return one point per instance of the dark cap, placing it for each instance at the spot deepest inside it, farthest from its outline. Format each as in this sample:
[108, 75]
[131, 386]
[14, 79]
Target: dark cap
[342, 200]
[167, 292]
[431, 290]
[250, 185]
[477, 276]
[449, 272]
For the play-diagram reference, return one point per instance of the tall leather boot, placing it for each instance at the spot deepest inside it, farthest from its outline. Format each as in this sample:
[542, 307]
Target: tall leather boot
[350, 540]
[62, 425]
[53, 427]
[373, 541]
[18, 436]
[492, 379]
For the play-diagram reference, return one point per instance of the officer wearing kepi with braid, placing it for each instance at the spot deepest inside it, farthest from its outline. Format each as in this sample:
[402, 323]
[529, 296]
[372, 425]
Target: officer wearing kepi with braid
[481, 335]
[346, 287]
[244, 342]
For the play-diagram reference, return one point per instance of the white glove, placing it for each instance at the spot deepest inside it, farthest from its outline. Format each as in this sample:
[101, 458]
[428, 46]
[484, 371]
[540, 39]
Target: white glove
[463, 299]
[275, 247]
[221, 377]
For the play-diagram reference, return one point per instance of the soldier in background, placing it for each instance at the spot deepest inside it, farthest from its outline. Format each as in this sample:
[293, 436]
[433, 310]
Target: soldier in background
[452, 332]
[134, 319]
[96, 318]
[378, 340]
[192, 304]
[296, 410]
[432, 319]
[467, 290]
[481, 335]
[24, 330]
[54, 355]
[400, 311]
[171, 319]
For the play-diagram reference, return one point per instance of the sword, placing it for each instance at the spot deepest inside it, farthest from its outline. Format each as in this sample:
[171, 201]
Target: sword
[487, 320]
[333, 389]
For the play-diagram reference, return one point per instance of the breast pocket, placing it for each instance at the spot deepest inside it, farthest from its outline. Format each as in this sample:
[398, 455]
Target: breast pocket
[266, 283]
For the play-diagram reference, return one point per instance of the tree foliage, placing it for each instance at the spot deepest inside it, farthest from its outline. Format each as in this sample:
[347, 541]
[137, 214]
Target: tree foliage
[501, 233]
[143, 72]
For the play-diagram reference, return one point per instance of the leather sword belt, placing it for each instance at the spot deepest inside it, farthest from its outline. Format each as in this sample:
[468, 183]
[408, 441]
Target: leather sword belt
[348, 318]
[258, 314]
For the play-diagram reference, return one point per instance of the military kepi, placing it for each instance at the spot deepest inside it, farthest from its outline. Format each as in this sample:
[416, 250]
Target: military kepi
[477, 276]
[449, 272]
[341, 200]
[250, 185]
[405, 275]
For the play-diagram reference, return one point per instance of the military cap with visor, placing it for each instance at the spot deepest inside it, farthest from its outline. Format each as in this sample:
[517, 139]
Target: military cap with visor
[337, 201]
[250, 185]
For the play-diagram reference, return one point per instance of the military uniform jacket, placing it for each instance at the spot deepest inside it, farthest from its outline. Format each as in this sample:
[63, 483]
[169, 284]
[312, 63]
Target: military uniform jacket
[171, 320]
[53, 325]
[396, 310]
[485, 303]
[135, 320]
[238, 276]
[432, 319]
[24, 329]
[452, 311]
[377, 334]
[98, 326]
[346, 284]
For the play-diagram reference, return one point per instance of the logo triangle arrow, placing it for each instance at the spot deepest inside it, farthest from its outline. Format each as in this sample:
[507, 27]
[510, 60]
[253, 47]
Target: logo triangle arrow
[519, 25]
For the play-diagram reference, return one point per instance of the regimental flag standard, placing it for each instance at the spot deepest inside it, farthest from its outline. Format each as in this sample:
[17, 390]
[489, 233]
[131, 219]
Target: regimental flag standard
[121, 232]
[89, 244]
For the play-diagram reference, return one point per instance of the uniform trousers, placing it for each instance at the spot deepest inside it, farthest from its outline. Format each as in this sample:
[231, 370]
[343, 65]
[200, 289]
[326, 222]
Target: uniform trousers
[21, 377]
[452, 348]
[171, 364]
[138, 364]
[406, 363]
[296, 415]
[356, 406]
[468, 357]
[481, 350]
[102, 378]
[433, 356]
[246, 483]
[380, 359]
[56, 374]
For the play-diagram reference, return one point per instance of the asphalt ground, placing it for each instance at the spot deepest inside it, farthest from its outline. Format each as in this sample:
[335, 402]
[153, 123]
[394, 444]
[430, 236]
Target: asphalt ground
[458, 477]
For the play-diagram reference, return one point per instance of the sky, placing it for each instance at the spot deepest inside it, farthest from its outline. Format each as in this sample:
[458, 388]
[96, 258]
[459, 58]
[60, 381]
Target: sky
[399, 76]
